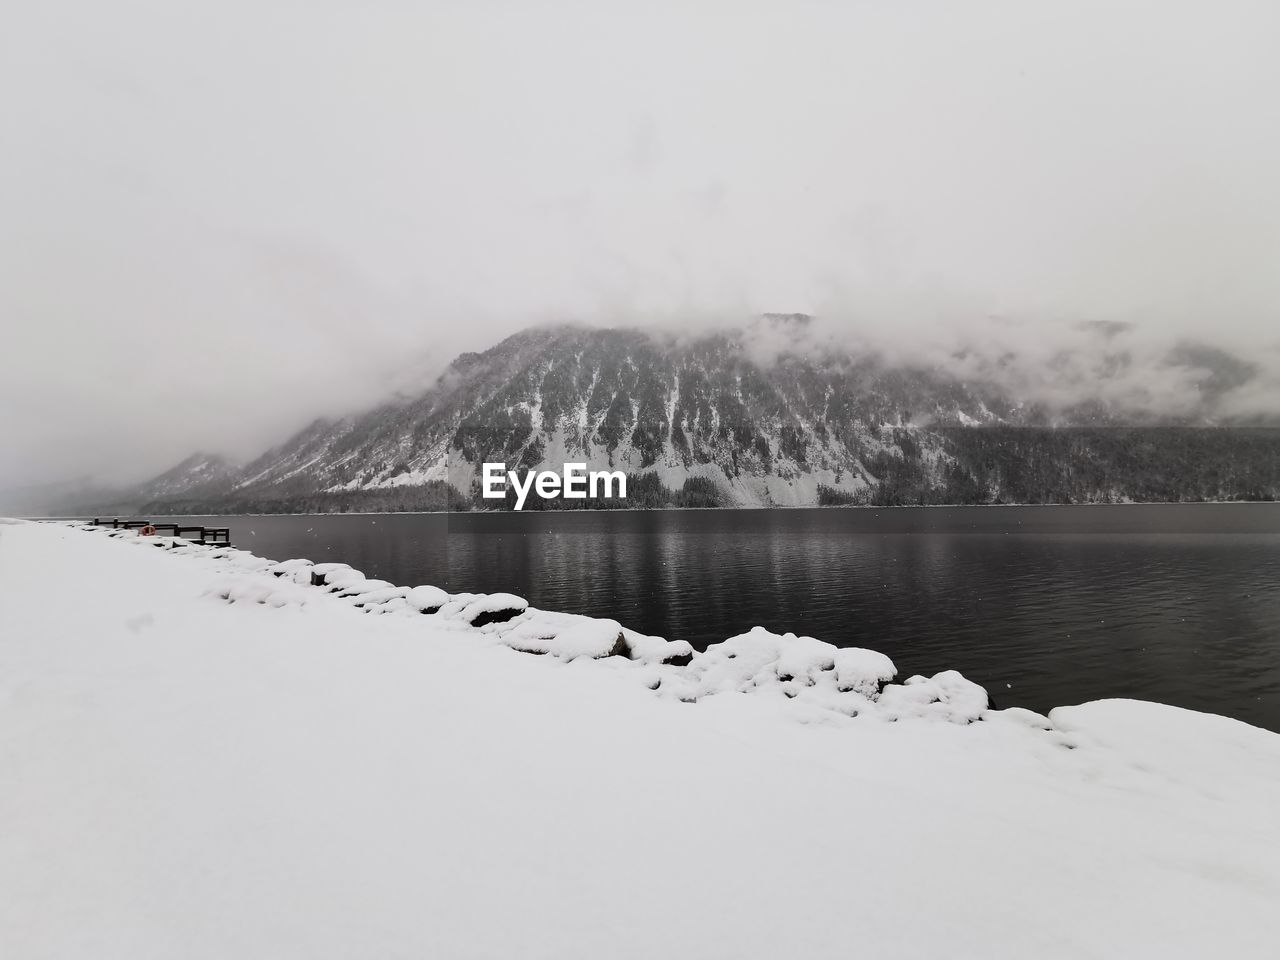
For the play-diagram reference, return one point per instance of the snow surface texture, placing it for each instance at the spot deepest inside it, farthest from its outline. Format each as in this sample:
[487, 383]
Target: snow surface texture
[213, 757]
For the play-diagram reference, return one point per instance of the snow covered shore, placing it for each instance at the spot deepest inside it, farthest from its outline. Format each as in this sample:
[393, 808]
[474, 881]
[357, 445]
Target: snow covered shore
[325, 771]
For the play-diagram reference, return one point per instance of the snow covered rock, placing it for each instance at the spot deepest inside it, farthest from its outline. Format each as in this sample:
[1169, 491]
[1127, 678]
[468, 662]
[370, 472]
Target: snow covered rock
[341, 576]
[822, 679]
[354, 588]
[944, 696]
[298, 571]
[378, 595]
[453, 607]
[657, 649]
[427, 599]
[320, 572]
[587, 637]
[493, 608]
[863, 671]
[817, 674]
[570, 635]
[396, 604]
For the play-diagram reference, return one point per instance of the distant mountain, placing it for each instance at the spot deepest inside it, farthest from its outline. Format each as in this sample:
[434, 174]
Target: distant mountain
[201, 474]
[718, 420]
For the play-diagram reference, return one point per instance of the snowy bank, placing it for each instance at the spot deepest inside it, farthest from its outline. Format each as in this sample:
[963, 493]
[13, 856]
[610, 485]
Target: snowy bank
[824, 681]
[206, 755]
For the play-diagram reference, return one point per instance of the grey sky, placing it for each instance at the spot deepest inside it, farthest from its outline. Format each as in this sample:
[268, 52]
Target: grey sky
[218, 220]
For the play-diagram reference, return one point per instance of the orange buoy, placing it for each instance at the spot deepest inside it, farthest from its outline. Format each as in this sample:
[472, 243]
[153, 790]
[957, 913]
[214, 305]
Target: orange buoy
[147, 531]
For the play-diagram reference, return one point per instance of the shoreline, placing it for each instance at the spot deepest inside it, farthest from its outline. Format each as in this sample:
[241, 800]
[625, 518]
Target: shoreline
[860, 682]
[380, 597]
[903, 506]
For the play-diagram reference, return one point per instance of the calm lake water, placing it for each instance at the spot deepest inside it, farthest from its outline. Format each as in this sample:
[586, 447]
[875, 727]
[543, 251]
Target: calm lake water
[1043, 605]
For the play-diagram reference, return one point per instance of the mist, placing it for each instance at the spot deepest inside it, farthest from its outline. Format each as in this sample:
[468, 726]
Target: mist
[223, 221]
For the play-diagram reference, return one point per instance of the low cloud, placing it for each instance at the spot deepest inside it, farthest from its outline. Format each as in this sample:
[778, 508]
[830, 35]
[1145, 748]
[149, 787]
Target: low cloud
[220, 224]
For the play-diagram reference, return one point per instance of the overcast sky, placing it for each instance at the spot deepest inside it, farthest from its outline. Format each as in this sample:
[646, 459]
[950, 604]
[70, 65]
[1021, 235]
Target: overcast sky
[219, 220]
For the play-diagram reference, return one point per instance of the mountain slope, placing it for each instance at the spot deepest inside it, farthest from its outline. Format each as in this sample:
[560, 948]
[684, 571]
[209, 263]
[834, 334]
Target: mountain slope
[201, 474]
[707, 415]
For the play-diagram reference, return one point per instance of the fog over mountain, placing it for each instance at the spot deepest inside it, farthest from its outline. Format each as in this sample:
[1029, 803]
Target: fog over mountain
[770, 414]
[224, 221]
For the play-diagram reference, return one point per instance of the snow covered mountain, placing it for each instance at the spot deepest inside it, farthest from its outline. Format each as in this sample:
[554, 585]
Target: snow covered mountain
[742, 418]
[199, 474]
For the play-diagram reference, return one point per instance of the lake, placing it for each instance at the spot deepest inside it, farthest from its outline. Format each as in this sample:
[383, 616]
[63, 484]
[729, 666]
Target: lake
[1045, 606]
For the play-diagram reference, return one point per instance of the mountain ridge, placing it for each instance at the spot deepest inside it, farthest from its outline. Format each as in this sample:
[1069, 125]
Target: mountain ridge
[702, 419]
